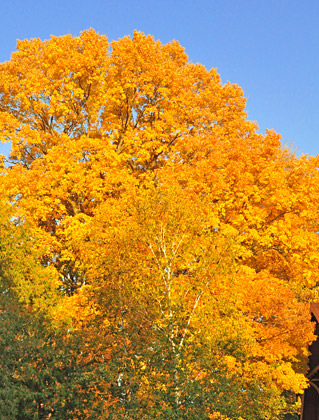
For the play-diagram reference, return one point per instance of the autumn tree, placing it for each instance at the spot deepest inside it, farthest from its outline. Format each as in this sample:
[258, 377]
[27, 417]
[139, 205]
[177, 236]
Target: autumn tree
[46, 370]
[219, 333]
[86, 123]
[185, 242]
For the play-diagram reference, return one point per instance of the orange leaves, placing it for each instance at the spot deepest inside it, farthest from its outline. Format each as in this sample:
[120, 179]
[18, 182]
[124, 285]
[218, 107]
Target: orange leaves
[51, 83]
[178, 231]
[76, 311]
[278, 320]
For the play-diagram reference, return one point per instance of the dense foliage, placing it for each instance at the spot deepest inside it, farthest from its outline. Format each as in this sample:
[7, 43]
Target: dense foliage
[173, 249]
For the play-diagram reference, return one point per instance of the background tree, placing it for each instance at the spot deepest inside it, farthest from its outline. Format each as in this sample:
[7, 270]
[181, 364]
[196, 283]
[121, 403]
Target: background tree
[87, 124]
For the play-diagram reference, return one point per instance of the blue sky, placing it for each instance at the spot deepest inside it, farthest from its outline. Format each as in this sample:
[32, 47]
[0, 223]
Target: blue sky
[268, 47]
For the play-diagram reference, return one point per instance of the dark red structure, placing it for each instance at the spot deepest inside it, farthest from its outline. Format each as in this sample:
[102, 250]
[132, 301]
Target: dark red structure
[310, 409]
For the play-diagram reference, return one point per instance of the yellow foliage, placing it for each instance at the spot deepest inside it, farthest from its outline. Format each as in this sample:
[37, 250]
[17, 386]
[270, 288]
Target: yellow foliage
[162, 209]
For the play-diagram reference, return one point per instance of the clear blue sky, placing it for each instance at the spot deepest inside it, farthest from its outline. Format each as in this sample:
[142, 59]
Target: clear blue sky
[268, 47]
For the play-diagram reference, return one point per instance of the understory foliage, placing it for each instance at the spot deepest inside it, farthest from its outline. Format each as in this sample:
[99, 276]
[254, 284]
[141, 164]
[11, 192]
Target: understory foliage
[169, 249]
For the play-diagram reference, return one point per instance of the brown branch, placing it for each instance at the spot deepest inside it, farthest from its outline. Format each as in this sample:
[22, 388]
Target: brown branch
[314, 386]
[313, 372]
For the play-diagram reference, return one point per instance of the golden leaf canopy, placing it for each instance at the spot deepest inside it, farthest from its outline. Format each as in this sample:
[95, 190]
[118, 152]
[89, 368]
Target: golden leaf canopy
[182, 237]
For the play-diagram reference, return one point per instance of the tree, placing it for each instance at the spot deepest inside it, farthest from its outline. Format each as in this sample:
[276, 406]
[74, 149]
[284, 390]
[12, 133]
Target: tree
[187, 317]
[45, 371]
[183, 239]
[87, 124]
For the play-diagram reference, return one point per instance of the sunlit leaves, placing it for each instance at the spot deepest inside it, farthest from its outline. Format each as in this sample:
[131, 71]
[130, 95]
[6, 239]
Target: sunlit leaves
[179, 241]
